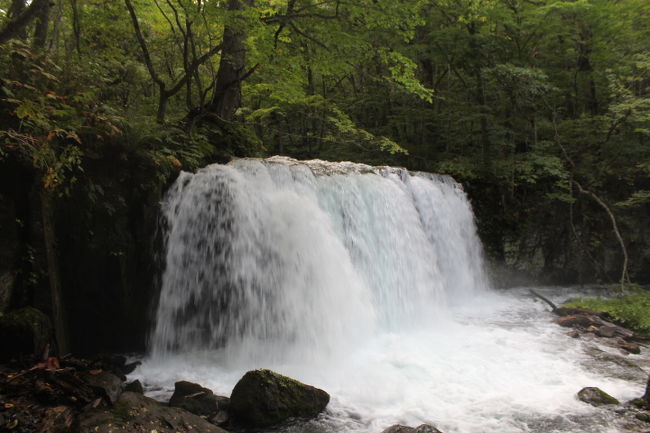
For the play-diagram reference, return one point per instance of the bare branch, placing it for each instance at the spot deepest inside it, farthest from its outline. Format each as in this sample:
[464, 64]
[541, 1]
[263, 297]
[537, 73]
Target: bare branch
[143, 46]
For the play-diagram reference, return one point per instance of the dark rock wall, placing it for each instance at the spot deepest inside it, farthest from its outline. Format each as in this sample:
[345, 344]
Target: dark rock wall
[106, 228]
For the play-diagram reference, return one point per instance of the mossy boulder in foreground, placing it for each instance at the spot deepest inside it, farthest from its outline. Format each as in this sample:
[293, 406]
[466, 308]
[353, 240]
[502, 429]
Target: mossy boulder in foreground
[263, 398]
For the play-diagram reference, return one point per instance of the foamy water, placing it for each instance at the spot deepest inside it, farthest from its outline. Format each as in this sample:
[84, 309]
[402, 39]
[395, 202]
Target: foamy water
[499, 365]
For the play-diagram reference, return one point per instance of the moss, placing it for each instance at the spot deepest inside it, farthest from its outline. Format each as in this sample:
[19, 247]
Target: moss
[633, 310]
[596, 397]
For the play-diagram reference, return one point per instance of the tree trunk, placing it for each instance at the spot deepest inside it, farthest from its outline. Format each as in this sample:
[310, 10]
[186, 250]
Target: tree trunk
[42, 25]
[54, 276]
[16, 8]
[162, 104]
[227, 97]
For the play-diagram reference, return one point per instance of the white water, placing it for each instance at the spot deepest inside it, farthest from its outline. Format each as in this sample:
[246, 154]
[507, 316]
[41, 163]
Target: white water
[367, 282]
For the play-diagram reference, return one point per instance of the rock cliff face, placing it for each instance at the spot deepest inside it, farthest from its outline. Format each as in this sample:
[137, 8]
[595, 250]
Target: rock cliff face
[105, 230]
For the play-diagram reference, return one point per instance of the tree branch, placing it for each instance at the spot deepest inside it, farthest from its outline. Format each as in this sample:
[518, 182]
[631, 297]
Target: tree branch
[143, 46]
[624, 274]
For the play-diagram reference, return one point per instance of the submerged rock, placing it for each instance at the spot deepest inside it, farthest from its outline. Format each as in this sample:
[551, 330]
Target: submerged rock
[263, 397]
[630, 347]
[596, 396]
[424, 428]
[136, 413]
[573, 334]
[643, 416]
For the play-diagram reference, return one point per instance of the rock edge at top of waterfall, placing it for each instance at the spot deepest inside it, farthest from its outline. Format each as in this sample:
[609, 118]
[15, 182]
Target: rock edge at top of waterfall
[263, 398]
[320, 167]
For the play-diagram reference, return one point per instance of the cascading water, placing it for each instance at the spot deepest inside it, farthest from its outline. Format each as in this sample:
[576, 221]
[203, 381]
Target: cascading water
[275, 258]
[365, 281]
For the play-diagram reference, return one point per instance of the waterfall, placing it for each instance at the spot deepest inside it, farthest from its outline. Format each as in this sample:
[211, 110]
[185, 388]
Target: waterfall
[367, 282]
[276, 258]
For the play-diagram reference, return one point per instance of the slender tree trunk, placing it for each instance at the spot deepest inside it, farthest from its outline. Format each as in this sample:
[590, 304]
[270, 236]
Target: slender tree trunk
[54, 276]
[76, 25]
[624, 273]
[162, 104]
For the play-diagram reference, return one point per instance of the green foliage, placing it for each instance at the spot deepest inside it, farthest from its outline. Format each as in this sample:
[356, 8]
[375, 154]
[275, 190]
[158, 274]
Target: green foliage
[519, 100]
[632, 310]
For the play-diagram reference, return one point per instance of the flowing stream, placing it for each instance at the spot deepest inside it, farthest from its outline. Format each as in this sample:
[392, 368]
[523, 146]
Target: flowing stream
[367, 282]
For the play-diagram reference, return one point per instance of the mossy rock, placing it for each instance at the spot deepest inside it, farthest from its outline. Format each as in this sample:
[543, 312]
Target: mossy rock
[24, 332]
[596, 396]
[263, 398]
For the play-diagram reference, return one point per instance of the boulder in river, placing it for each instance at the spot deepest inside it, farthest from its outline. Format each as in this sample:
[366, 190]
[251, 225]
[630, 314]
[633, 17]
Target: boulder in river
[136, 413]
[424, 428]
[196, 399]
[596, 396]
[263, 397]
[606, 331]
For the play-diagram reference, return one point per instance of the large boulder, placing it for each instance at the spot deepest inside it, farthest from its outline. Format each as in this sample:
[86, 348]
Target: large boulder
[263, 397]
[136, 413]
[424, 428]
[105, 384]
[24, 332]
[596, 396]
[197, 399]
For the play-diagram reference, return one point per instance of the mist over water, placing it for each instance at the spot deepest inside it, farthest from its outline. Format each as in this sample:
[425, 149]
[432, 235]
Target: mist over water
[367, 282]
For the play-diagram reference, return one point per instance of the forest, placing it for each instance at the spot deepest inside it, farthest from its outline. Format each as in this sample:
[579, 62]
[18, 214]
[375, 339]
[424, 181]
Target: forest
[540, 108]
